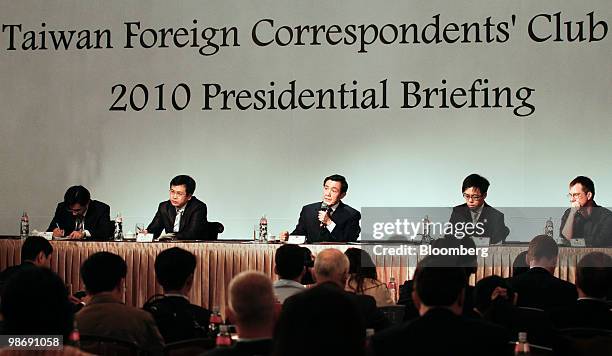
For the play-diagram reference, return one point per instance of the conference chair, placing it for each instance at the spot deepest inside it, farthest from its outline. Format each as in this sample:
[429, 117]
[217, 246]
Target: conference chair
[589, 341]
[106, 345]
[189, 347]
[395, 313]
[212, 230]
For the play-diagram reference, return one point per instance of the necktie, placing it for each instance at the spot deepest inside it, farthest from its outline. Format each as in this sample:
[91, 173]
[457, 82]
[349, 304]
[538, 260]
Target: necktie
[177, 221]
[78, 224]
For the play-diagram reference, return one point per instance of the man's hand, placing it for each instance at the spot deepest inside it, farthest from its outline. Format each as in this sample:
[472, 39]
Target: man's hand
[324, 218]
[57, 232]
[77, 235]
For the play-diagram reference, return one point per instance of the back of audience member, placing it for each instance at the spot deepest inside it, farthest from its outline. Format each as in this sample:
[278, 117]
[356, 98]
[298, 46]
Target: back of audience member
[103, 274]
[309, 258]
[289, 266]
[495, 301]
[322, 321]
[363, 278]
[35, 252]
[331, 271]
[251, 308]
[593, 277]
[440, 329]
[520, 264]
[36, 302]
[538, 288]
[176, 318]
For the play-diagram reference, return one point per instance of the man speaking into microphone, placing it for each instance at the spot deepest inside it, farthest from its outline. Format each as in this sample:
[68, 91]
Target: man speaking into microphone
[330, 220]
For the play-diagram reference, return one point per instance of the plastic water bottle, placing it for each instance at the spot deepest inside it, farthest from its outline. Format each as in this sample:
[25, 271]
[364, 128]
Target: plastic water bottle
[118, 235]
[24, 226]
[549, 228]
[392, 286]
[263, 229]
[224, 338]
[426, 232]
[522, 346]
[74, 338]
[215, 321]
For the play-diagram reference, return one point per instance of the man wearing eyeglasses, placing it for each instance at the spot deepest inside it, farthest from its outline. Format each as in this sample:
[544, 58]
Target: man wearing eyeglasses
[585, 219]
[487, 221]
[183, 214]
[80, 217]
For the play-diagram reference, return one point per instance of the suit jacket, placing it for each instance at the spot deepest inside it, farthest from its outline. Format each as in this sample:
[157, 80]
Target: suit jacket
[347, 224]
[106, 316]
[440, 332]
[493, 220]
[177, 319]
[538, 288]
[97, 220]
[584, 313]
[261, 347]
[192, 225]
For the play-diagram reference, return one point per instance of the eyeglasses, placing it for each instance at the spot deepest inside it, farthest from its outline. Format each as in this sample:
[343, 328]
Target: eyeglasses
[472, 196]
[79, 210]
[574, 195]
[178, 194]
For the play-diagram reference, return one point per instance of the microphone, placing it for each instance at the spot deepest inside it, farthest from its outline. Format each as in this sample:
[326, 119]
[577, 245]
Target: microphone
[322, 208]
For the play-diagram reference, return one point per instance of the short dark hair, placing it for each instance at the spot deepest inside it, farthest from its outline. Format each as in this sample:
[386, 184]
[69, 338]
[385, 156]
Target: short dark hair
[173, 266]
[520, 264]
[484, 289]
[102, 272]
[34, 245]
[338, 178]
[77, 194]
[542, 246]
[586, 182]
[187, 181]
[289, 261]
[476, 181]
[27, 312]
[438, 286]
[361, 267]
[594, 274]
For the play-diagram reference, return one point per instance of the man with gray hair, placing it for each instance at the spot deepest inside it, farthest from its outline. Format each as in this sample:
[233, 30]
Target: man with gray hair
[331, 272]
[251, 309]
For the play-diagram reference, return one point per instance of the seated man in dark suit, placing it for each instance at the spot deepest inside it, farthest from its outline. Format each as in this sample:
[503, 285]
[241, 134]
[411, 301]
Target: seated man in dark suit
[482, 220]
[176, 318]
[593, 276]
[252, 309]
[538, 288]
[79, 217]
[35, 252]
[330, 220]
[103, 274]
[441, 329]
[183, 214]
[331, 270]
[585, 219]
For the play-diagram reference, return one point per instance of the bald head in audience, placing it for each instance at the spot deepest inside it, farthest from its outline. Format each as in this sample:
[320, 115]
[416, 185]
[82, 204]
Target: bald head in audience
[251, 305]
[331, 265]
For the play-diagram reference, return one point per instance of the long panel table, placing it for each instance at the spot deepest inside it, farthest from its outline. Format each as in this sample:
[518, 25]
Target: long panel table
[218, 262]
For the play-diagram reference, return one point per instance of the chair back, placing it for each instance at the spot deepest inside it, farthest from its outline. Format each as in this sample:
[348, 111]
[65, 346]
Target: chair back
[212, 230]
[395, 313]
[106, 345]
[189, 347]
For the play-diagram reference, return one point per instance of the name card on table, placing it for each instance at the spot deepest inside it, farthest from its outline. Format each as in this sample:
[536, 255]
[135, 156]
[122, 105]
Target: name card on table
[47, 235]
[577, 243]
[296, 239]
[144, 238]
[481, 241]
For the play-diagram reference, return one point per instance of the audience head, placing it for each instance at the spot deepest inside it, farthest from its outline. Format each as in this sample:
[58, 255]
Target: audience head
[594, 275]
[361, 267]
[37, 249]
[520, 264]
[103, 272]
[174, 269]
[76, 200]
[582, 190]
[251, 302]
[320, 321]
[289, 262]
[490, 290]
[35, 302]
[331, 265]
[543, 252]
[437, 286]
[308, 266]
[474, 189]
